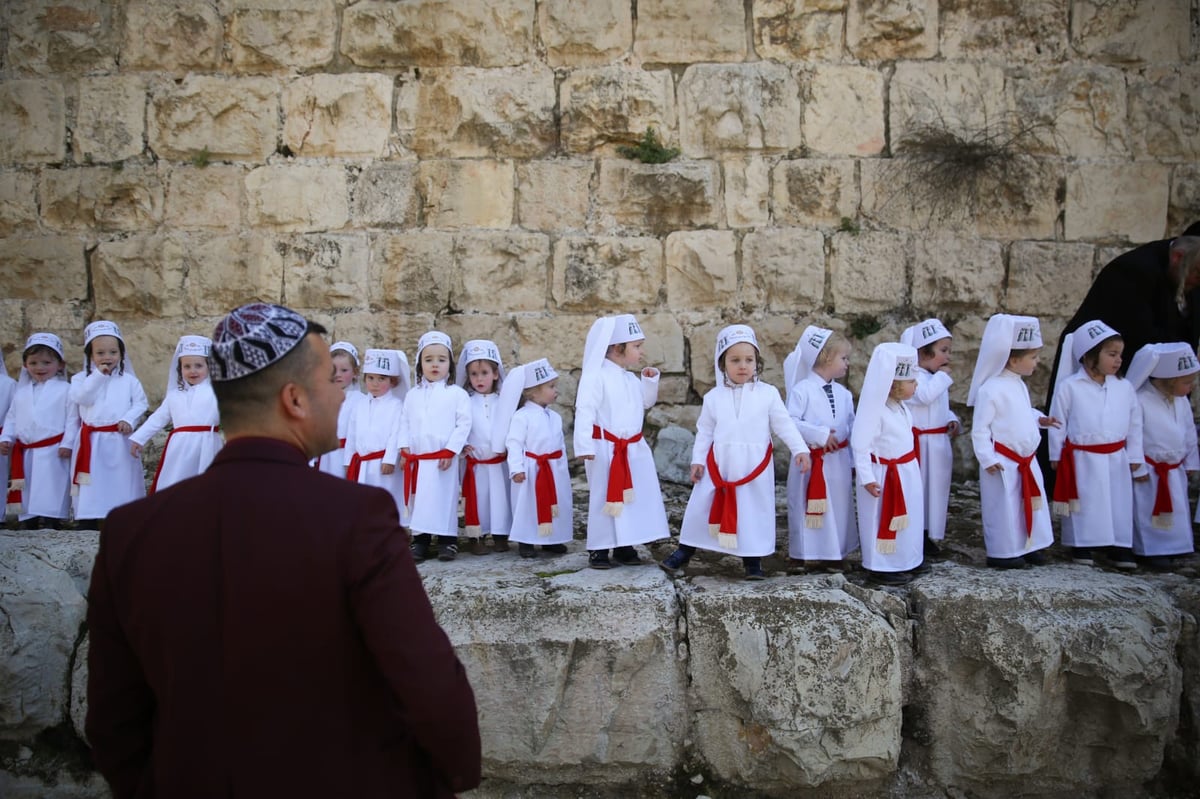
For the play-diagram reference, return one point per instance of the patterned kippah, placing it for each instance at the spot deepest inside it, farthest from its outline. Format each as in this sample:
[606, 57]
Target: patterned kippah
[253, 337]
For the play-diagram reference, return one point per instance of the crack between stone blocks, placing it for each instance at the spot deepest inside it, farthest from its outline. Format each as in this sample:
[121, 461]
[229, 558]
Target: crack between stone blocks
[79, 636]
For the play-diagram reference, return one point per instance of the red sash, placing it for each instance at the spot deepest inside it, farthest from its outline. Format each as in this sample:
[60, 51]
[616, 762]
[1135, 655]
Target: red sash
[83, 460]
[928, 431]
[893, 510]
[356, 462]
[1066, 488]
[16, 472]
[816, 497]
[544, 490]
[412, 466]
[723, 516]
[470, 497]
[1160, 517]
[1031, 495]
[620, 479]
[194, 428]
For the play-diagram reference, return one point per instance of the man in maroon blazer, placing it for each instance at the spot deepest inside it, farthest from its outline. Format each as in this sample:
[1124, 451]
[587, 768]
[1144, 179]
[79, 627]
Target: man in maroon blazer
[261, 630]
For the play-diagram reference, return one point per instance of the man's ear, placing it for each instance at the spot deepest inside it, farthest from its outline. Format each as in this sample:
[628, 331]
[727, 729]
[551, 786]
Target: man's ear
[293, 401]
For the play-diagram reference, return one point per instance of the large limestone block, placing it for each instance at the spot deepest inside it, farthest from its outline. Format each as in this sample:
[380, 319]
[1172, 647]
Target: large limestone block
[890, 29]
[99, 198]
[470, 113]
[227, 271]
[32, 121]
[689, 31]
[658, 197]
[609, 106]
[1183, 753]
[702, 269]
[1046, 277]
[436, 33]
[1077, 110]
[386, 196]
[325, 272]
[176, 36]
[1055, 682]
[140, 276]
[797, 684]
[282, 34]
[739, 107]
[559, 337]
[298, 198]
[501, 271]
[747, 191]
[43, 267]
[799, 30]
[951, 273]
[412, 272]
[205, 198]
[1164, 113]
[1130, 31]
[815, 191]
[1100, 196]
[18, 201]
[462, 194]
[585, 32]
[344, 115]
[235, 119]
[554, 195]
[1185, 198]
[868, 271]
[1031, 30]
[607, 274]
[110, 119]
[59, 37]
[565, 695]
[844, 114]
[785, 267]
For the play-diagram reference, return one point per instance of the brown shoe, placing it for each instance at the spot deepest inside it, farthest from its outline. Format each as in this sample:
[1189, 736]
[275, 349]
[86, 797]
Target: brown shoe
[478, 547]
[500, 543]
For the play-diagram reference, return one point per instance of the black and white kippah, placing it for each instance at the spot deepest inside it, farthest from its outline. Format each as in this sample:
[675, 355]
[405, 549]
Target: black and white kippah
[253, 337]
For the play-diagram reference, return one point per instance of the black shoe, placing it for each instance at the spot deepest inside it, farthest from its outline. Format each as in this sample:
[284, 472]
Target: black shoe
[420, 551]
[555, 549]
[598, 559]
[500, 543]
[626, 556]
[1007, 563]
[932, 550]
[526, 550]
[1122, 558]
[674, 563]
[1037, 558]
[921, 568]
[889, 578]
[1158, 563]
[754, 570]
[1082, 556]
[447, 551]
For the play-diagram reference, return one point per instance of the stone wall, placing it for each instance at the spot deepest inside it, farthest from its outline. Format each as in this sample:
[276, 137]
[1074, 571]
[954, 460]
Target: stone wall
[388, 167]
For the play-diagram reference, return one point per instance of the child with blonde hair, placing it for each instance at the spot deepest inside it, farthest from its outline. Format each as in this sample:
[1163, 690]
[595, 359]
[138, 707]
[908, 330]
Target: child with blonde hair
[372, 450]
[345, 374]
[486, 509]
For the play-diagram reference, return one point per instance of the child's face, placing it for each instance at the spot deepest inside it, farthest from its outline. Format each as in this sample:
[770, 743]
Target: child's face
[435, 362]
[42, 366]
[1179, 386]
[106, 353]
[631, 357]
[545, 394]
[194, 369]
[343, 369]
[903, 390]
[940, 357]
[836, 367]
[1109, 359]
[482, 375]
[741, 362]
[1025, 363]
[378, 385]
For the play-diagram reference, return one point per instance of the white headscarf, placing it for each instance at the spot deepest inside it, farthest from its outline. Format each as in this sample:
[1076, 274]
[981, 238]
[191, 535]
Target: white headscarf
[924, 333]
[1162, 361]
[200, 346]
[1003, 334]
[801, 360]
[103, 327]
[733, 334]
[46, 340]
[393, 363]
[477, 349]
[890, 361]
[430, 338]
[521, 377]
[1077, 344]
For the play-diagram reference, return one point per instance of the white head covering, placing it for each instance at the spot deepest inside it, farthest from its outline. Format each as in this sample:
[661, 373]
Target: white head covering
[430, 338]
[200, 346]
[1003, 334]
[477, 349]
[890, 361]
[800, 361]
[733, 334]
[103, 327]
[1077, 343]
[625, 329]
[393, 363]
[1163, 361]
[534, 373]
[46, 340]
[924, 333]
[605, 331]
[348, 348]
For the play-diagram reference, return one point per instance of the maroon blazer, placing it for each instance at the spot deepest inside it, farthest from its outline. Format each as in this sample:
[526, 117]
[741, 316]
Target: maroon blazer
[261, 630]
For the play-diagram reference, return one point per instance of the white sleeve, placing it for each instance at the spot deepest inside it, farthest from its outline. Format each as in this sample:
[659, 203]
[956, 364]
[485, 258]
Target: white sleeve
[138, 404]
[1060, 408]
[154, 423]
[706, 426]
[650, 390]
[785, 428]
[981, 430]
[462, 423]
[514, 443]
[587, 403]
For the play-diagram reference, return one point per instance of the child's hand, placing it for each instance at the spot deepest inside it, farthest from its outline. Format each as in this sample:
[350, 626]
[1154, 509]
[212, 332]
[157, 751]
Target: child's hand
[873, 489]
[1054, 466]
[387, 468]
[404, 451]
[64, 452]
[697, 473]
[519, 477]
[650, 372]
[953, 428]
[124, 428]
[996, 468]
[444, 463]
[1143, 479]
[1049, 421]
[804, 461]
[469, 451]
[135, 449]
[832, 442]
[587, 457]
[5, 448]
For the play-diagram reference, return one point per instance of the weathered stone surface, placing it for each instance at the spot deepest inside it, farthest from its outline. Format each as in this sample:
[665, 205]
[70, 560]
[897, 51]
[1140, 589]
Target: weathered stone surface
[1164, 113]
[43, 268]
[673, 453]
[607, 273]
[205, 198]
[32, 121]
[1185, 198]
[469, 112]
[437, 33]
[467, 193]
[501, 271]
[843, 112]
[957, 274]
[110, 118]
[869, 271]
[233, 119]
[99, 198]
[338, 115]
[1078, 110]
[1131, 30]
[1099, 196]
[738, 107]
[1029, 30]
[970, 100]
[388, 330]
[172, 35]
[585, 32]
[688, 31]
[1046, 277]
[557, 337]
[554, 195]
[622, 687]
[227, 271]
[386, 196]
[18, 201]
[1183, 753]
[325, 272]
[702, 269]
[1076, 693]
[140, 276]
[664, 342]
[786, 267]
[747, 191]
[814, 192]
[658, 197]
[78, 707]
[799, 30]
[890, 29]
[412, 272]
[298, 198]
[282, 34]
[615, 105]
[61, 36]
[796, 687]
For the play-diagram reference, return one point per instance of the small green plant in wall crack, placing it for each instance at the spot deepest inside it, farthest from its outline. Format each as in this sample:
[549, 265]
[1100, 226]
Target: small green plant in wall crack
[648, 150]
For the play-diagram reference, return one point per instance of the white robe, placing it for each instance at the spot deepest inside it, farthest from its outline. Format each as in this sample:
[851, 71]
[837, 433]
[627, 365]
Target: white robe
[436, 416]
[491, 480]
[1004, 414]
[737, 423]
[540, 430]
[1168, 436]
[616, 401]
[837, 536]
[374, 425]
[1092, 413]
[187, 454]
[891, 438]
[39, 411]
[930, 409]
[7, 387]
[334, 461]
[116, 476]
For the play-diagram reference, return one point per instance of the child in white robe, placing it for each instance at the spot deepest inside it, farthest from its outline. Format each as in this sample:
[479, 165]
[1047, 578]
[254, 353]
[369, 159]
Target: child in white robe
[822, 528]
[34, 436]
[486, 509]
[890, 508]
[732, 507]
[625, 505]
[1097, 448]
[107, 400]
[372, 449]
[935, 424]
[433, 430]
[7, 387]
[537, 459]
[1163, 375]
[190, 407]
[1005, 437]
[345, 373]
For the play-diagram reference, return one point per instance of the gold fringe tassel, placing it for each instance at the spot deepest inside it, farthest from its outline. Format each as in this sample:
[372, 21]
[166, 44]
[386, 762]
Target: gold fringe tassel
[817, 506]
[1163, 521]
[885, 546]
[473, 530]
[814, 521]
[727, 540]
[1038, 503]
[1060, 508]
[613, 508]
[898, 523]
[545, 529]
